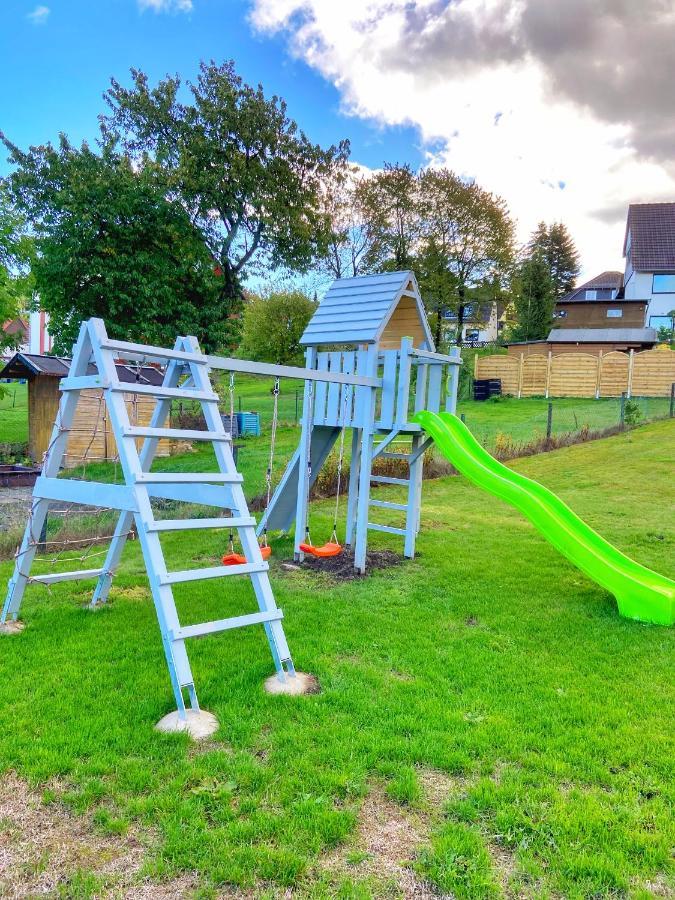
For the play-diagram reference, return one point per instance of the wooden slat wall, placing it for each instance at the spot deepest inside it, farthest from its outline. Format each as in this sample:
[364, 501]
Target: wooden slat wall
[573, 375]
[653, 373]
[504, 367]
[91, 438]
[577, 375]
[613, 374]
[405, 322]
[535, 369]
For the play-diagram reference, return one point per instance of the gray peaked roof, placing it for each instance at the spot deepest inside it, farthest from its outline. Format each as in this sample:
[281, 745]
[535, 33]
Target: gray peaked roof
[356, 310]
[24, 365]
[652, 236]
[605, 281]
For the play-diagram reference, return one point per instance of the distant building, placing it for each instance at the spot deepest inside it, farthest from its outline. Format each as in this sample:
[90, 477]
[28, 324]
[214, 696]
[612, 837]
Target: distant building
[30, 333]
[649, 248]
[483, 322]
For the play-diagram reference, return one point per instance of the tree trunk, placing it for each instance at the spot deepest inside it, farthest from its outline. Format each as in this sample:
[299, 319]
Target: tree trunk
[460, 314]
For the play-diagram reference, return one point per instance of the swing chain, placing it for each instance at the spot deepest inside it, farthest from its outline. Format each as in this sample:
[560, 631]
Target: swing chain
[273, 441]
[341, 456]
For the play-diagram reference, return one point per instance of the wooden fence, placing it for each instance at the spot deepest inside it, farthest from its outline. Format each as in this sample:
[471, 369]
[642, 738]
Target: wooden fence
[649, 373]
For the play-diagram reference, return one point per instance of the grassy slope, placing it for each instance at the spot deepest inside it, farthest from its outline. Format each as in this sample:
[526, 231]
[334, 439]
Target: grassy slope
[14, 414]
[487, 657]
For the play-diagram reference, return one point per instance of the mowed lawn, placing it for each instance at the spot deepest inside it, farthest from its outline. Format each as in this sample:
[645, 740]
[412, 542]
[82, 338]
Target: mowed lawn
[487, 723]
[13, 413]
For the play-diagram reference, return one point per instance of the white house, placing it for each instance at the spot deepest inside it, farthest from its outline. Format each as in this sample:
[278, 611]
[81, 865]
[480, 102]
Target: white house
[649, 248]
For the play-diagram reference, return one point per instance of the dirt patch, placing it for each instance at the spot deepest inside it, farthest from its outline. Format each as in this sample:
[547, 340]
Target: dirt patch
[43, 846]
[342, 567]
[390, 836]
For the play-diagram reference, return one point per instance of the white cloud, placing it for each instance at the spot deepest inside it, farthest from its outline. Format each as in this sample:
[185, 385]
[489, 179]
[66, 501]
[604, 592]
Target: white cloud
[39, 15]
[488, 112]
[170, 6]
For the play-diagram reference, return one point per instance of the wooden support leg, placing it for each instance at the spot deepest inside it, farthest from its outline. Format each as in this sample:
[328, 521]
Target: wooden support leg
[353, 493]
[24, 560]
[412, 522]
[363, 502]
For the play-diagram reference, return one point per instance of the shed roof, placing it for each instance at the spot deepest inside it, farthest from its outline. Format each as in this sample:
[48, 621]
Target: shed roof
[602, 335]
[26, 365]
[356, 310]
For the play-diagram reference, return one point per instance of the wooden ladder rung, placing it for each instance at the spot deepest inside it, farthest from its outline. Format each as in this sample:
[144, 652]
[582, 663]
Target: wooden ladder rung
[178, 434]
[188, 524]
[385, 479]
[388, 529]
[213, 572]
[66, 576]
[385, 504]
[188, 477]
[159, 390]
[189, 631]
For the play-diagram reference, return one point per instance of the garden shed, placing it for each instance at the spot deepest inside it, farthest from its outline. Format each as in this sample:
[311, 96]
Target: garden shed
[91, 436]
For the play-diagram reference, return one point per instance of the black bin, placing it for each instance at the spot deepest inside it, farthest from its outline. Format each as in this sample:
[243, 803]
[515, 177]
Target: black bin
[484, 388]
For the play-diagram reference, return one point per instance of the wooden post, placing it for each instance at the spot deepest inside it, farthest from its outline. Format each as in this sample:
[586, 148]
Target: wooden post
[548, 373]
[520, 376]
[363, 500]
[599, 377]
[475, 366]
[303, 461]
[631, 360]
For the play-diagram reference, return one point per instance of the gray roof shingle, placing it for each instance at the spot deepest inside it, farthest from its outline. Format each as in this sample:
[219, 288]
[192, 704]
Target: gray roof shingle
[652, 234]
[25, 365]
[602, 335]
[605, 281]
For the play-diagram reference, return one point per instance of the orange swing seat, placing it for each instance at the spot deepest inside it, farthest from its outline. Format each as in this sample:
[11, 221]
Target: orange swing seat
[325, 550]
[236, 559]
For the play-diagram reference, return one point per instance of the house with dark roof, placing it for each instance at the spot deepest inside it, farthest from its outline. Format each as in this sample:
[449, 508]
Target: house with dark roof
[600, 303]
[649, 249]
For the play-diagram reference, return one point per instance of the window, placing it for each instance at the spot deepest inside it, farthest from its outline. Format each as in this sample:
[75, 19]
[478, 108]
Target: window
[591, 295]
[663, 284]
[472, 334]
[614, 313]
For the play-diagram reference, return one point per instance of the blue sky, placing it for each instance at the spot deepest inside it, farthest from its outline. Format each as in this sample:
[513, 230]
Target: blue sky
[566, 110]
[54, 68]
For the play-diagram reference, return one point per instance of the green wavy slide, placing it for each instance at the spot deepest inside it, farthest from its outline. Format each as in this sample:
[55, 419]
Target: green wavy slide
[640, 593]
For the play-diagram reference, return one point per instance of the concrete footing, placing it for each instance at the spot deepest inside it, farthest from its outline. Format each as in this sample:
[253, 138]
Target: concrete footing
[12, 627]
[302, 683]
[199, 725]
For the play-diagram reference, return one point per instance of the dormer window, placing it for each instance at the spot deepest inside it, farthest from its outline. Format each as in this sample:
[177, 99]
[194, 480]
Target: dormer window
[591, 295]
[663, 284]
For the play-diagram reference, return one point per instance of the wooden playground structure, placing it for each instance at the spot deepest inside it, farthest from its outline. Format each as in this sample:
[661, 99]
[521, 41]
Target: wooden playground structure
[370, 366]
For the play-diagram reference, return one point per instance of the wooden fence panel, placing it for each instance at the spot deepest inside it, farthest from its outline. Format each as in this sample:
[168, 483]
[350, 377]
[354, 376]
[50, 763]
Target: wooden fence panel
[573, 375]
[535, 372]
[91, 438]
[653, 373]
[583, 374]
[614, 374]
[504, 367]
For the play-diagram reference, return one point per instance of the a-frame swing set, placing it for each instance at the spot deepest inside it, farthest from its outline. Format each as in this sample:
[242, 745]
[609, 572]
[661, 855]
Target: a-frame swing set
[367, 386]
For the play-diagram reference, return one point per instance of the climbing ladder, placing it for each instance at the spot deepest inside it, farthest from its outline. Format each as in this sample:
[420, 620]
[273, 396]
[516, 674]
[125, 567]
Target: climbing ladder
[186, 377]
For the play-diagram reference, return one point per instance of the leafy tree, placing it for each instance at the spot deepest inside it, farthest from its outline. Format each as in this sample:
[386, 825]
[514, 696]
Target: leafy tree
[273, 327]
[110, 243]
[353, 247]
[534, 300]
[555, 243]
[16, 254]
[388, 201]
[249, 178]
[466, 245]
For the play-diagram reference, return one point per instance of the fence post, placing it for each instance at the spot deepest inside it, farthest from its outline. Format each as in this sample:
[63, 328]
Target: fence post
[599, 377]
[549, 421]
[622, 411]
[548, 373]
[631, 360]
[672, 400]
[520, 376]
[463, 417]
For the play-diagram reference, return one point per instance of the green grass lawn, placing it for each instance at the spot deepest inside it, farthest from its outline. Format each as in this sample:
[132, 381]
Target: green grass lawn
[14, 413]
[484, 712]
